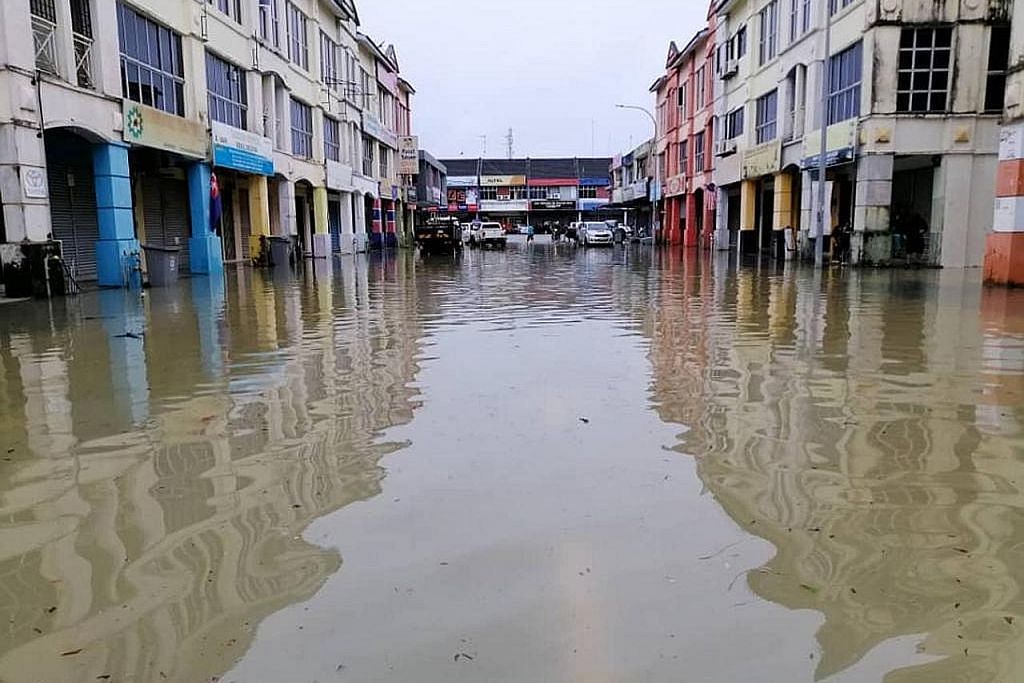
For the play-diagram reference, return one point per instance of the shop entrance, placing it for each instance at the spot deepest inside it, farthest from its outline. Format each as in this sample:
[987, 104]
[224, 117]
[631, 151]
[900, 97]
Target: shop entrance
[72, 189]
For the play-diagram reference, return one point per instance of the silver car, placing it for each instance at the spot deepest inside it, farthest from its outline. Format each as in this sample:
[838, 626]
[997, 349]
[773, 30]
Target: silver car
[595, 233]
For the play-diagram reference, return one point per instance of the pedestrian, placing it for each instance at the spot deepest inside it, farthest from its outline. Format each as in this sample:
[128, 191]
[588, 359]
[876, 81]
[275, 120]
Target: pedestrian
[529, 233]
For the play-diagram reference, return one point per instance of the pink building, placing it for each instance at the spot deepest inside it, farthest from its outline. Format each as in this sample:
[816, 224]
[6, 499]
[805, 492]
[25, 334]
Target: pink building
[685, 112]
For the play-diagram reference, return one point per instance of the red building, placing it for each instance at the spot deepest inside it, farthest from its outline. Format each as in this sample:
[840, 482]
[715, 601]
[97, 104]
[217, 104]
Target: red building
[685, 112]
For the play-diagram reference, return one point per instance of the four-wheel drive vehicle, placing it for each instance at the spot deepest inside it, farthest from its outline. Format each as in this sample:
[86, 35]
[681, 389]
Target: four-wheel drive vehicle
[489, 235]
[439, 235]
[594, 233]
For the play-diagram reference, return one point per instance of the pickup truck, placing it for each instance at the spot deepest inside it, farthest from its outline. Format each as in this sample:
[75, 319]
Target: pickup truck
[489, 235]
[439, 235]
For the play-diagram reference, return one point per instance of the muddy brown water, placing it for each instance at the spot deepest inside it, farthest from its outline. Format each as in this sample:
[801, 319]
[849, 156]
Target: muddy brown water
[537, 465]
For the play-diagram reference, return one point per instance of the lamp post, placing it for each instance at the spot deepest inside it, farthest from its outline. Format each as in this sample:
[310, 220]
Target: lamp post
[657, 164]
[826, 86]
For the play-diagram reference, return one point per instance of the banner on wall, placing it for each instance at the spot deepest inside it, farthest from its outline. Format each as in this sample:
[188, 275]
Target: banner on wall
[408, 155]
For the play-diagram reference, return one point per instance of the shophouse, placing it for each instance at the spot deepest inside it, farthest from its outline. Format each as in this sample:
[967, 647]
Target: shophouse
[431, 188]
[631, 182]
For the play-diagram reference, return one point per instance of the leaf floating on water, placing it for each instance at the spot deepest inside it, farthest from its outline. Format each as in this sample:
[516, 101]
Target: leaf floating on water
[806, 587]
[70, 652]
[584, 420]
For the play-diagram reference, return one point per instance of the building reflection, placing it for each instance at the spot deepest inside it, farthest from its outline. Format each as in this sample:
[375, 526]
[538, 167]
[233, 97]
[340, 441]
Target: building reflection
[159, 484]
[869, 427]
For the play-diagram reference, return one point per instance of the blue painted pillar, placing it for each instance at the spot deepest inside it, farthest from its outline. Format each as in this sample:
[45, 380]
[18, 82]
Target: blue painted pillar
[117, 251]
[205, 255]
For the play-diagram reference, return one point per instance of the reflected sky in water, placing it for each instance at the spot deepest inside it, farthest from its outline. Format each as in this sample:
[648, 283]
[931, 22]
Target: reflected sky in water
[376, 465]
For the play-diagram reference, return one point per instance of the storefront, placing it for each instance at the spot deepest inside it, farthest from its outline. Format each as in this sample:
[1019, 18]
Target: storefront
[243, 161]
[463, 197]
[544, 213]
[72, 192]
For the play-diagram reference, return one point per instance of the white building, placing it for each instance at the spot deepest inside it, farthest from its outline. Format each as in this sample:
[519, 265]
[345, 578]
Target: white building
[138, 102]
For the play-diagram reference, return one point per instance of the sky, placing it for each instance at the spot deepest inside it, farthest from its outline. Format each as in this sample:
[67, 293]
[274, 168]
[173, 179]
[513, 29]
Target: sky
[552, 70]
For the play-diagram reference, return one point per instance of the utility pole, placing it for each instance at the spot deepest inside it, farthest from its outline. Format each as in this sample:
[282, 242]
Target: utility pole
[509, 142]
[826, 86]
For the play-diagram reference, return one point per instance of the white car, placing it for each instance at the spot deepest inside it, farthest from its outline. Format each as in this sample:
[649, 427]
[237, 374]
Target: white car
[594, 233]
[489, 235]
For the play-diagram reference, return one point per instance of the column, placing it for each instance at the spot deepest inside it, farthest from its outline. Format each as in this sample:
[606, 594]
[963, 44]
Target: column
[782, 221]
[348, 233]
[259, 214]
[722, 221]
[321, 234]
[690, 237]
[377, 234]
[1004, 246]
[871, 241]
[288, 223]
[359, 222]
[390, 232]
[117, 250]
[204, 246]
[748, 216]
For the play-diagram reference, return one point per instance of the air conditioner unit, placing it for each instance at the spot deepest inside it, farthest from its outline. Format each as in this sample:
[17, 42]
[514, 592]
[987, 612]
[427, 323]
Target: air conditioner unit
[724, 148]
[731, 68]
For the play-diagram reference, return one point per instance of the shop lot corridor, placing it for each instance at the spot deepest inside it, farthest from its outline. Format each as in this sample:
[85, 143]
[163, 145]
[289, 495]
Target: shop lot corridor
[539, 464]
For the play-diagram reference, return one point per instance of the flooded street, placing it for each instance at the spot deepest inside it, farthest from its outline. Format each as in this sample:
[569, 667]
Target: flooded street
[544, 464]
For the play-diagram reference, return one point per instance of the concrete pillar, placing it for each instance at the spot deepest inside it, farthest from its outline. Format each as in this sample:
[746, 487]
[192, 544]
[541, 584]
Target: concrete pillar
[722, 221]
[390, 227]
[259, 213]
[1004, 246]
[206, 257]
[783, 202]
[117, 250]
[287, 223]
[690, 236]
[321, 233]
[871, 241]
[359, 223]
[377, 233]
[348, 232]
[748, 205]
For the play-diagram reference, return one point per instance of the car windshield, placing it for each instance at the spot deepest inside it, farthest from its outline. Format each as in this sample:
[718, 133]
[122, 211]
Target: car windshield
[596, 227]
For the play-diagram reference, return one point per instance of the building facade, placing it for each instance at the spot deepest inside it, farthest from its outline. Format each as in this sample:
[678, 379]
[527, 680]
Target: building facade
[528, 191]
[207, 126]
[431, 187]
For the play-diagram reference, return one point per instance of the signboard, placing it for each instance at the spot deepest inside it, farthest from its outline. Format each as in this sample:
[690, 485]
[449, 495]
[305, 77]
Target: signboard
[502, 180]
[676, 185]
[34, 183]
[241, 150]
[762, 160]
[408, 155]
[153, 128]
[339, 176]
[515, 206]
[462, 181]
[637, 190]
[552, 205]
[374, 128]
[592, 204]
[595, 182]
[839, 146]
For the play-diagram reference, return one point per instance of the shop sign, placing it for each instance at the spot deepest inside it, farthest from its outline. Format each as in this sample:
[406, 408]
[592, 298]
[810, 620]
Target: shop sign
[502, 180]
[552, 205]
[592, 204]
[840, 145]
[365, 185]
[762, 160]
[373, 127]
[637, 190]
[515, 206]
[34, 183]
[151, 127]
[462, 181]
[676, 185]
[241, 150]
[594, 182]
[339, 176]
[408, 155]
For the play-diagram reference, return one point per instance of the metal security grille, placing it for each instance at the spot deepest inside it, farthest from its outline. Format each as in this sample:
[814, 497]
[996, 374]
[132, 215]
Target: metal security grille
[73, 202]
[166, 211]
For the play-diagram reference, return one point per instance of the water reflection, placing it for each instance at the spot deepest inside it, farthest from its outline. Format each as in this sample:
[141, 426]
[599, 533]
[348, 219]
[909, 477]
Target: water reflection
[165, 453]
[869, 426]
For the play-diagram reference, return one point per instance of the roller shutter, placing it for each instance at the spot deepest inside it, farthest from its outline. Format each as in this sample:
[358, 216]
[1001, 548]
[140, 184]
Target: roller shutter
[73, 203]
[166, 210]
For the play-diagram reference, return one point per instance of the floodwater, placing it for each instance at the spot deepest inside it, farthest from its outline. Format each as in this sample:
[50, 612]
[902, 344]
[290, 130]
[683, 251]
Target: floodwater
[541, 465]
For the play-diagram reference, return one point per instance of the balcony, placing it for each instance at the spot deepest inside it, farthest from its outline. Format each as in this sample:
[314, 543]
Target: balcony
[83, 61]
[44, 34]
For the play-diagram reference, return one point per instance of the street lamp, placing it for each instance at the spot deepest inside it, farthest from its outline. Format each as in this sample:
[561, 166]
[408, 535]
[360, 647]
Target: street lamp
[657, 162]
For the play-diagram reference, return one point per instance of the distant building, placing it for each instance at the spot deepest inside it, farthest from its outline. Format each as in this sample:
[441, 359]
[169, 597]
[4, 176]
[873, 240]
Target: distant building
[431, 187]
[535, 191]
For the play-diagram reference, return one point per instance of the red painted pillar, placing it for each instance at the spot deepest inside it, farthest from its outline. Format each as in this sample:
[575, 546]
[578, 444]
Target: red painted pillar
[1004, 247]
[690, 238]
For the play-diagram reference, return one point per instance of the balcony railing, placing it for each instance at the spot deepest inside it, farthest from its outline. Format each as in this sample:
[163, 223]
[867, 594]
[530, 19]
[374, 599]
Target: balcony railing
[83, 61]
[44, 34]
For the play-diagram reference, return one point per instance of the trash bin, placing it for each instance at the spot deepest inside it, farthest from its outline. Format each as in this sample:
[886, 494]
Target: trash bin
[280, 250]
[162, 264]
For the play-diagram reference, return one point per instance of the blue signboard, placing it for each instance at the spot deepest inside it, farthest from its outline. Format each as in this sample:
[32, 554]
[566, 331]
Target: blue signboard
[595, 182]
[242, 151]
[592, 204]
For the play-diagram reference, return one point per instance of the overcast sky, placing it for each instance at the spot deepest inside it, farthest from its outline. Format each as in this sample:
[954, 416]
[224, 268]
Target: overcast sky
[552, 70]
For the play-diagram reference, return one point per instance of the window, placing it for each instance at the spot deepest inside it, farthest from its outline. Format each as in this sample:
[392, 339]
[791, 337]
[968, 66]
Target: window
[383, 157]
[270, 22]
[368, 146]
[225, 84]
[489, 193]
[702, 82]
[298, 41]
[922, 84]
[232, 8]
[302, 129]
[767, 116]
[538, 193]
[998, 61]
[794, 20]
[152, 71]
[698, 153]
[836, 5]
[329, 62]
[768, 48]
[805, 25]
[734, 124]
[741, 42]
[517, 192]
[682, 102]
[332, 139]
[844, 84]
[684, 157]
[588, 192]
[365, 91]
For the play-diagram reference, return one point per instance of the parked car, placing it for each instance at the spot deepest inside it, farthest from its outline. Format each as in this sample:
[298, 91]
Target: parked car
[594, 233]
[439, 235]
[491, 235]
